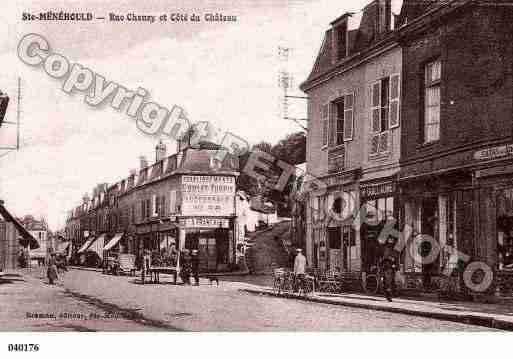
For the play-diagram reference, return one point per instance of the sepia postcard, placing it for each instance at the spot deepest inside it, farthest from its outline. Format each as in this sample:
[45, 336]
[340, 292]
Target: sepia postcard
[255, 166]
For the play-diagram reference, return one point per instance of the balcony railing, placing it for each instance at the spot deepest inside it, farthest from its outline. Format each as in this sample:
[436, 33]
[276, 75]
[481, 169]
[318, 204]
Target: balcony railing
[336, 159]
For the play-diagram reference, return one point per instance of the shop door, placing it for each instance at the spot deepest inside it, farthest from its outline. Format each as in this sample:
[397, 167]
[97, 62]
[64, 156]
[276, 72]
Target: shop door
[429, 226]
[212, 254]
[505, 229]
[203, 253]
[335, 249]
[223, 249]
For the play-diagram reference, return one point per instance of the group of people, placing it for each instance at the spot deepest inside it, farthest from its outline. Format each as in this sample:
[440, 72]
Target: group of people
[188, 262]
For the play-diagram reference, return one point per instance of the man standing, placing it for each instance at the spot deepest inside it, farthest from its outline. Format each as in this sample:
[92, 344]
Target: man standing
[195, 266]
[299, 267]
[388, 264]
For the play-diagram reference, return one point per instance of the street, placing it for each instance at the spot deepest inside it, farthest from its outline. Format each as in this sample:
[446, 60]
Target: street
[91, 301]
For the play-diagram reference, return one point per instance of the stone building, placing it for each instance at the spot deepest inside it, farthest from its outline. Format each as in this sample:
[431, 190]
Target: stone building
[353, 144]
[456, 179]
[186, 200]
[15, 241]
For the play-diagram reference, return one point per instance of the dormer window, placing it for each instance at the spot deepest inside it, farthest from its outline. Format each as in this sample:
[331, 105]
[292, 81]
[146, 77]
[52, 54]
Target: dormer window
[341, 34]
[339, 37]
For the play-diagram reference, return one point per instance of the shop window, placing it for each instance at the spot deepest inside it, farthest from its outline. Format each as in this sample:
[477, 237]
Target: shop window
[432, 77]
[505, 228]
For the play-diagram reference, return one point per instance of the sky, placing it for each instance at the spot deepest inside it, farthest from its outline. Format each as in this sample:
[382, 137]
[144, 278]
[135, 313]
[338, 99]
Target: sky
[223, 73]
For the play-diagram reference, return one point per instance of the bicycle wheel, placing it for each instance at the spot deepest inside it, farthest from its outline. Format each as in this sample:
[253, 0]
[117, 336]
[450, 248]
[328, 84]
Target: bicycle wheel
[308, 287]
[276, 285]
[371, 285]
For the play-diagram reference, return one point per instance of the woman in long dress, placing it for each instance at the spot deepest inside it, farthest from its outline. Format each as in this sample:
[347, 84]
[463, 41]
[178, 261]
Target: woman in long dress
[51, 272]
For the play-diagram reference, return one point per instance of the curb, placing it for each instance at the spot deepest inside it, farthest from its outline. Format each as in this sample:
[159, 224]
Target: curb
[479, 320]
[227, 274]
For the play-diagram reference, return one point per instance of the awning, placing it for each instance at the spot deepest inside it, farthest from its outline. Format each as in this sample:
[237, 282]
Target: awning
[97, 245]
[27, 239]
[85, 245]
[117, 237]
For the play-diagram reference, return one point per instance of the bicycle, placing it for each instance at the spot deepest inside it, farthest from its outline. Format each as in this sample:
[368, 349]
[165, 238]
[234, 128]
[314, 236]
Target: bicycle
[305, 285]
[373, 282]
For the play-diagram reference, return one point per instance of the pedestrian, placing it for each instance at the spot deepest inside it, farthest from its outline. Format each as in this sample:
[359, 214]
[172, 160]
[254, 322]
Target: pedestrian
[388, 265]
[185, 270]
[195, 266]
[299, 268]
[51, 271]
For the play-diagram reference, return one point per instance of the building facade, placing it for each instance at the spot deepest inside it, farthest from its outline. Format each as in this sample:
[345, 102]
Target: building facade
[186, 200]
[456, 180]
[15, 241]
[353, 144]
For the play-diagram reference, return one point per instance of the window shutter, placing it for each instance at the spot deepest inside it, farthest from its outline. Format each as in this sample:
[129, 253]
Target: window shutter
[375, 117]
[376, 107]
[349, 117]
[393, 116]
[324, 124]
[332, 125]
[172, 201]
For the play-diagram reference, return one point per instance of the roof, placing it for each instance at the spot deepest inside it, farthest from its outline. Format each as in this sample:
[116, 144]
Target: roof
[367, 37]
[27, 237]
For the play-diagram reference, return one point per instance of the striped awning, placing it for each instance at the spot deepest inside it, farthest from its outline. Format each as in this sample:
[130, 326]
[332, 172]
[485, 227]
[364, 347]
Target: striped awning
[97, 245]
[117, 237]
[86, 245]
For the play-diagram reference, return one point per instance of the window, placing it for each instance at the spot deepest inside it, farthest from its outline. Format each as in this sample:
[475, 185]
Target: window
[161, 206]
[384, 112]
[341, 120]
[432, 76]
[324, 124]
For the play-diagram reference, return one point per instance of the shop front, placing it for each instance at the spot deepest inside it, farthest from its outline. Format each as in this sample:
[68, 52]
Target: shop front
[441, 207]
[379, 198]
[495, 229]
[335, 243]
[213, 238]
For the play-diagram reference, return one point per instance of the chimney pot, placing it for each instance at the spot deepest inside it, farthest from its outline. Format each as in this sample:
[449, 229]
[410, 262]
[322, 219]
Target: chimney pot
[160, 151]
[143, 162]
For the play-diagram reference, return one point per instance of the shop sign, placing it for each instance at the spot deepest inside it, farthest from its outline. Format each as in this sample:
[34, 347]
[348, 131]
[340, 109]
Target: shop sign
[208, 195]
[206, 223]
[494, 152]
[379, 189]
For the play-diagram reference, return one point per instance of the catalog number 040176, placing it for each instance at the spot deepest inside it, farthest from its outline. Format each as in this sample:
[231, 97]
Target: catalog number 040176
[23, 347]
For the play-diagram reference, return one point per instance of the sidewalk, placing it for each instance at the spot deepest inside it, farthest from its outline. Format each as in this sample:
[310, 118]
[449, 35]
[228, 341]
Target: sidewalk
[498, 316]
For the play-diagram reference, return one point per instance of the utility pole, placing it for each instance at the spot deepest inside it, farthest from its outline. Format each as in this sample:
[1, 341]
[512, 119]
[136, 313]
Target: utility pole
[285, 82]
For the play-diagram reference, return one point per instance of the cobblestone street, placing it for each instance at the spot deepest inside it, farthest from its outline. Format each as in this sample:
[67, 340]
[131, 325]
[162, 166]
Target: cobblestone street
[109, 303]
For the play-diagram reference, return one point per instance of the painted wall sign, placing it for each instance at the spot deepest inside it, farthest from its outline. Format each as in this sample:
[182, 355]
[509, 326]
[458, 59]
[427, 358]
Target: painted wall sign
[207, 222]
[378, 189]
[494, 152]
[208, 195]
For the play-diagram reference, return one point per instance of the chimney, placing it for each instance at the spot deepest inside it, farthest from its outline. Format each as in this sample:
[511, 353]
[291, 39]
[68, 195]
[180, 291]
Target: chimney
[384, 15]
[160, 151]
[143, 162]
